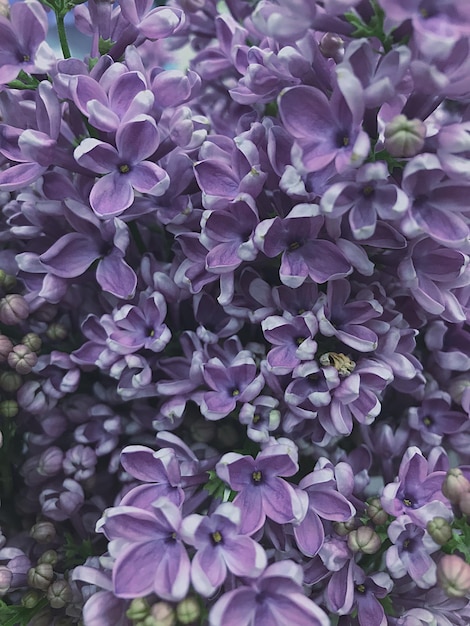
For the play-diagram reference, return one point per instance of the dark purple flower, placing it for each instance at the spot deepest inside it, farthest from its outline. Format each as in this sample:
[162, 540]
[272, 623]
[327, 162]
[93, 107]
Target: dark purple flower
[293, 341]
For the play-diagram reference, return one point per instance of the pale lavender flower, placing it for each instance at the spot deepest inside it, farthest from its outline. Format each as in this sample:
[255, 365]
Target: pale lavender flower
[326, 131]
[275, 598]
[410, 552]
[261, 490]
[150, 556]
[221, 547]
[125, 167]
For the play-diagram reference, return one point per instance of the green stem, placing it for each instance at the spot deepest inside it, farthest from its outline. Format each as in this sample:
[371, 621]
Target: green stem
[63, 36]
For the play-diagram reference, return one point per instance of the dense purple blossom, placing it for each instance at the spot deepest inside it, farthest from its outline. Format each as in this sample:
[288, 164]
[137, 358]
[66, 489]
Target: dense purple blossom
[234, 305]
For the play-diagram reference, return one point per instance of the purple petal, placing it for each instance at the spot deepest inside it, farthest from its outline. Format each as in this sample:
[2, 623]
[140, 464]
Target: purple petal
[138, 139]
[250, 502]
[134, 572]
[235, 608]
[208, 570]
[148, 177]
[111, 195]
[115, 276]
[216, 179]
[19, 176]
[309, 534]
[71, 255]
[244, 557]
[97, 156]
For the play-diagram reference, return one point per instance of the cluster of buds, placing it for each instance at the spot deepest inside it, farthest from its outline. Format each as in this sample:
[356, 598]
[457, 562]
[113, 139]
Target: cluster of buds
[184, 613]
[453, 570]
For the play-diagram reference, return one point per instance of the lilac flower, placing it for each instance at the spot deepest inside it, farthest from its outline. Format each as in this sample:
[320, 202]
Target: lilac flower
[410, 552]
[371, 194]
[346, 320]
[127, 98]
[325, 130]
[325, 502]
[275, 598]
[72, 254]
[303, 252]
[239, 382]
[124, 167]
[261, 491]
[293, 341]
[160, 471]
[261, 416]
[436, 203]
[23, 46]
[220, 547]
[150, 556]
[417, 491]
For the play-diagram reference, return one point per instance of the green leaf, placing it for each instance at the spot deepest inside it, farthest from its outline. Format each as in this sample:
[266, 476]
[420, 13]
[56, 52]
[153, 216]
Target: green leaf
[18, 615]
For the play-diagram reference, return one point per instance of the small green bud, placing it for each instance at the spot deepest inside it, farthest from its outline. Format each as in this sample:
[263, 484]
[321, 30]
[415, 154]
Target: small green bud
[41, 576]
[404, 137]
[56, 332]
[138, 609]
[455, 485]
[8, 408]
[43, 532]
[376, 513]
[59, 594]
[32, 341]
[364, 539]
[187, 611]
[10, 381]
[7, 281]
[49, 556]
[440, 530]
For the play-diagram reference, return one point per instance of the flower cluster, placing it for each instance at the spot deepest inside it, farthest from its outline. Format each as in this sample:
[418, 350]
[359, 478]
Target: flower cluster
[234, 313]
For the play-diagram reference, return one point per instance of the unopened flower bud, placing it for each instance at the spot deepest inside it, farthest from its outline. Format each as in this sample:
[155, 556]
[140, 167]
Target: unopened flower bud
[56, 332]
[43, 532]
[364, 539]
[464, 503]
[59, 594]
[13, 309]
[376, 513]
[163, 614]
[31, 599]
[344, 528]
[5, 580]
[10, 381]
[49, 556]
[455, 485]
[332, 47]
[41, 576]
[138, 609]
[6, 346]
[404, 137]
[50, 461]
[32, 341]
[453, 576]
[187, 611]
[8, 408]
[22, 359]
[439, 529]
[7, 281]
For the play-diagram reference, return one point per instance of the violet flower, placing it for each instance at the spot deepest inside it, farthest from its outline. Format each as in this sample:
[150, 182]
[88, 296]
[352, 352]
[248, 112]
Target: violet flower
[221, 547]
[150, 556]
[325, 130]
[124, 167]
[261, 491]
[275, 598]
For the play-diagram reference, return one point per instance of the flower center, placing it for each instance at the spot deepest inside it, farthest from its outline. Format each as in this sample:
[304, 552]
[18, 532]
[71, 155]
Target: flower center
[342, 363]
[124, 168]
[256, 476]
[216, 537]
